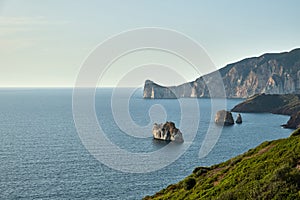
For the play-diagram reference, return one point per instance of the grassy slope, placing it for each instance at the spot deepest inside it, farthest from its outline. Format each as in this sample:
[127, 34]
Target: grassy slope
[269, 171]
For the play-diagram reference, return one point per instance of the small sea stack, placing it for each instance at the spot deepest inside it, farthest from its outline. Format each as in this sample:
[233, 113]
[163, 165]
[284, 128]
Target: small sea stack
[167, 132]
[239, 119]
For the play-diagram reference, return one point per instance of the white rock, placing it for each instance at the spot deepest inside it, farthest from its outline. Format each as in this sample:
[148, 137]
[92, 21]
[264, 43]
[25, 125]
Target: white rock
[167, 132]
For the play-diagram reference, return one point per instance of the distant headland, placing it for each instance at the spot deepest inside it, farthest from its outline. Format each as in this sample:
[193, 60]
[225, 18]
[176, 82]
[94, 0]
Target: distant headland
[271, 73]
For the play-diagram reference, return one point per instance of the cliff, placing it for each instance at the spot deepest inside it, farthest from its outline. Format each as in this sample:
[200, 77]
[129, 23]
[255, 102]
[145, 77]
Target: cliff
[272, 73]
[269, 171]
[294, 121]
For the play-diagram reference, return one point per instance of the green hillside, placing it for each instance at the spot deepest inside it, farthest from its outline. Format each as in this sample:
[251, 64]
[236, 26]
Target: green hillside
[269, 171]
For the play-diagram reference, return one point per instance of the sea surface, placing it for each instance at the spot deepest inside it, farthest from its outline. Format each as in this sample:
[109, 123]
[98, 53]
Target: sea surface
[42, 156]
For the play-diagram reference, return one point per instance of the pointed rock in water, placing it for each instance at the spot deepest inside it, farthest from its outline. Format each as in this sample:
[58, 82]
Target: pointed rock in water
[167, 132]
[224, 118]
[239, 119]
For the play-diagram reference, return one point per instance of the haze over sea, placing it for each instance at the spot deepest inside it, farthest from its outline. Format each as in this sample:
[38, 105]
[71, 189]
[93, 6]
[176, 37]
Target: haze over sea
[42, 157]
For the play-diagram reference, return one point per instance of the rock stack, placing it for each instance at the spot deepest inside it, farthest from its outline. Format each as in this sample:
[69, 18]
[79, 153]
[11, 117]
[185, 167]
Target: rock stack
[239, 119]
[167, 132]
[224, 118]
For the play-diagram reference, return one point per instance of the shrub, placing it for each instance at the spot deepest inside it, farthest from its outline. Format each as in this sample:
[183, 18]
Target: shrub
[189, 183]
[198, 171]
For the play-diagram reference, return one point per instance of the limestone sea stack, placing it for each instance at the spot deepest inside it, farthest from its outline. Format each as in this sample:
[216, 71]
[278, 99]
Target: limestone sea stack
[239, 119]
[167, 132]
[224, 118]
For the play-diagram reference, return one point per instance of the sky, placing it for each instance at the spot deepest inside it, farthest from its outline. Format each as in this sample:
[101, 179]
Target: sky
[45, 43]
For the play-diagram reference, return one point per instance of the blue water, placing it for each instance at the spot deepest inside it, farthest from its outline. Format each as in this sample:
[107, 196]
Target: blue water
[42, 157]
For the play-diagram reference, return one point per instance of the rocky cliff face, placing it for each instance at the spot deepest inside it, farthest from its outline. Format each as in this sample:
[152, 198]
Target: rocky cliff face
[294, 121]
[155, 91]
[276, 73]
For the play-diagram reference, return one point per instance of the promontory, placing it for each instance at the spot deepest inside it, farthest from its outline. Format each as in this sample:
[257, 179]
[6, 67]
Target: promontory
[271, 73]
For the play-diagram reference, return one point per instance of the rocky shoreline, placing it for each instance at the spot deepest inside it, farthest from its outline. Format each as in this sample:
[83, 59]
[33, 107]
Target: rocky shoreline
[285, 104]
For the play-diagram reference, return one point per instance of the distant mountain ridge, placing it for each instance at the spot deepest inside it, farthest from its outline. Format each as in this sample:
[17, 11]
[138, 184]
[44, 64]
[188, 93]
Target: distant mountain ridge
[270, 73]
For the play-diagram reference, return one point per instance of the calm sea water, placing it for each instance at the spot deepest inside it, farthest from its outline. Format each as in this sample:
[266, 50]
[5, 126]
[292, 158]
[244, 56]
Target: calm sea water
[42, 157]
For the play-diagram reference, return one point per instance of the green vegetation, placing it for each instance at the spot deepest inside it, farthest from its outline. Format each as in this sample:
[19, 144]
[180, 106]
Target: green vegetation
[269, 171]
[189, 183]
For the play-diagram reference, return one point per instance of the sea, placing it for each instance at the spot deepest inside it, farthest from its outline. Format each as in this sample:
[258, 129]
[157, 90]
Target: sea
[42, 156]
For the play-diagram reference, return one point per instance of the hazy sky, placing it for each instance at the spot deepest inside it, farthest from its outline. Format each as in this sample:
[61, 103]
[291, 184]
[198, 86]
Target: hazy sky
[44, 42]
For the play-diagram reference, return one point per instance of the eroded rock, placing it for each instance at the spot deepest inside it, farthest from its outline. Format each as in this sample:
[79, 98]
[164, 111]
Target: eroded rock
[224, 118]
[167, 131]
[239, 119]
[294, 121]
